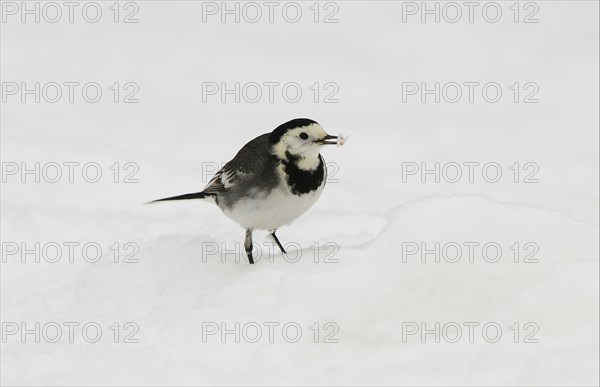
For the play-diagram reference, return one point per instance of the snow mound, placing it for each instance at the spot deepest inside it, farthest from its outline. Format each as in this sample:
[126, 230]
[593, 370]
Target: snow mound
[364, 296]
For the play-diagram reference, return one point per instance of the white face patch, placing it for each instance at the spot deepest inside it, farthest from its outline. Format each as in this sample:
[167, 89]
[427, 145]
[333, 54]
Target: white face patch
[302, 142]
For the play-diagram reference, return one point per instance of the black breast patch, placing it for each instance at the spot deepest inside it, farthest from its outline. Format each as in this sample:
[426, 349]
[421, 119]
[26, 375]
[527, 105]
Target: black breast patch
[302, 181]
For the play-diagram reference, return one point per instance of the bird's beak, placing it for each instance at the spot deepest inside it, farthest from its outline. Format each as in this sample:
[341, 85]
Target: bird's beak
[332, 140]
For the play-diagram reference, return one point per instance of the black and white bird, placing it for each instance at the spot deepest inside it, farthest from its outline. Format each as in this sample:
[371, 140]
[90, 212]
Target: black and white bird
[272, 180]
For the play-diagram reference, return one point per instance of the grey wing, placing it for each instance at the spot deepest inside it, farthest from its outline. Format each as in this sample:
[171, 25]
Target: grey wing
[220, 182]
[248, 165]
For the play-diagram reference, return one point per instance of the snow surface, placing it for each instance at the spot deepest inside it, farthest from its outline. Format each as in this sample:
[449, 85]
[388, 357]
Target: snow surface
[372, 291]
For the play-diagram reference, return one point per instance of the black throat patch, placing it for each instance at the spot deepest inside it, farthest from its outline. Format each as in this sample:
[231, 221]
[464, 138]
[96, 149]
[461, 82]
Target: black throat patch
[302, 181]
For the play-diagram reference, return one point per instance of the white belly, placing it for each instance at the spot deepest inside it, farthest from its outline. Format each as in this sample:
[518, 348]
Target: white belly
[269, 212]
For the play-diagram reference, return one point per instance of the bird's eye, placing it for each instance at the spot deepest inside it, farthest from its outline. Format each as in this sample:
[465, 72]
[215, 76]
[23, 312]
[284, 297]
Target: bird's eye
[303, 136]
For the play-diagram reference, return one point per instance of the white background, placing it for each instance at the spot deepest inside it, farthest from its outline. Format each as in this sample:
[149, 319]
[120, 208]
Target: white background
[370, 213]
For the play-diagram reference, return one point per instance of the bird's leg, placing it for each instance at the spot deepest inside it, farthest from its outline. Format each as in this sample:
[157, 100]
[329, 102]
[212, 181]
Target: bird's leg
[248, 245]
[277, 240]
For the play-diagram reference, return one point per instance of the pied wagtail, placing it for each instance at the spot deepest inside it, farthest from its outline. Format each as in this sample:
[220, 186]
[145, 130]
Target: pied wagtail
[272, 180]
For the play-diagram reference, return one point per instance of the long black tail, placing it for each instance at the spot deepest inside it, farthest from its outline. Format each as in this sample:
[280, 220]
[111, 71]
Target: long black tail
[197, 195]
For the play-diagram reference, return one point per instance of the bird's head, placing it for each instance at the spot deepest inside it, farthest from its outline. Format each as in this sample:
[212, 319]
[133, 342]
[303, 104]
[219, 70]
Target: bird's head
[300, 139]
